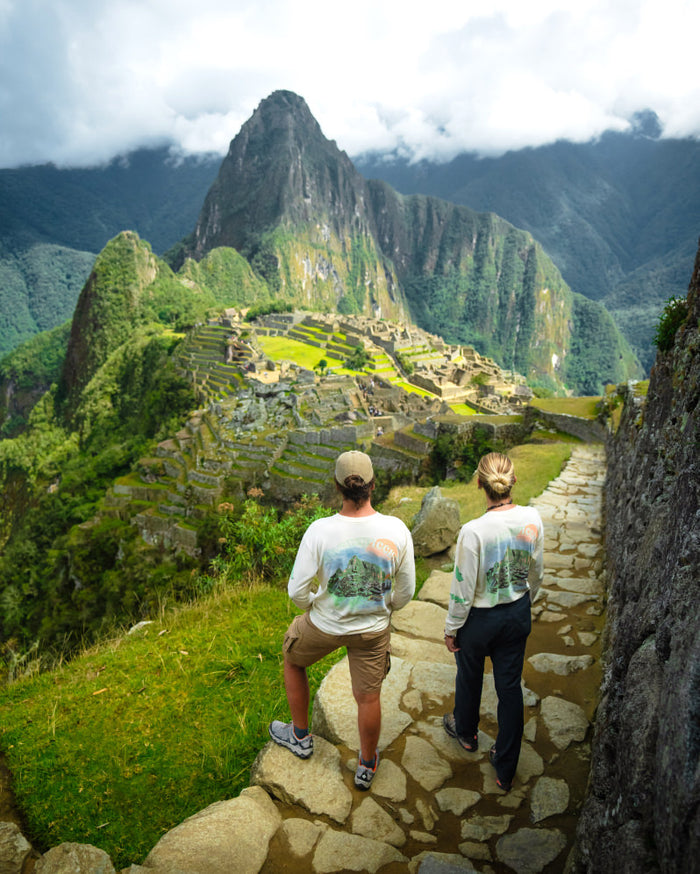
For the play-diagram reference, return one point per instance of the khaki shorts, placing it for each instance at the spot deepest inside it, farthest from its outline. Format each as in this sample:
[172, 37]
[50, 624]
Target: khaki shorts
[369, 653]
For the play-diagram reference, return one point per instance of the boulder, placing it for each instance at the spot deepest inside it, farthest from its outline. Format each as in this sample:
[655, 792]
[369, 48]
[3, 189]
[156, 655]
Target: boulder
[436, 525]
[70, 858]
[334, 714]
[315, 783]
[206, 843]
[15, 849]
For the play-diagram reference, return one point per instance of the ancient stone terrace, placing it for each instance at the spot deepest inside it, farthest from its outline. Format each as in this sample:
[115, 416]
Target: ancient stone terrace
[278, 426]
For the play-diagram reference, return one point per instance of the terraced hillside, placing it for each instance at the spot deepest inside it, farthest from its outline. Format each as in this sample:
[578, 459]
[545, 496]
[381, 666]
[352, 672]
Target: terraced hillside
[278, 401]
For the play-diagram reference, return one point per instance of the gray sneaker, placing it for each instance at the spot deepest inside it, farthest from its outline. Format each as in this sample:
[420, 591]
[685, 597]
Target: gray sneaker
[282, 733]
[365, 775]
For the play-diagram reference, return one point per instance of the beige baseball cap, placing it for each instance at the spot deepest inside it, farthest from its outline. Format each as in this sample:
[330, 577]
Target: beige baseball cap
[354, 463]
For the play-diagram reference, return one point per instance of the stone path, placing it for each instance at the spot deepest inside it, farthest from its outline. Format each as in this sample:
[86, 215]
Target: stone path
[434, 807]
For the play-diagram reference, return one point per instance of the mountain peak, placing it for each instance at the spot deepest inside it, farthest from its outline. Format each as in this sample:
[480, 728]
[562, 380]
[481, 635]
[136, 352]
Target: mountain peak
[280, 170]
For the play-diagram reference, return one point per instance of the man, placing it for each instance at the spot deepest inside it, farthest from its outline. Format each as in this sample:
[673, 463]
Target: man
[363, 564]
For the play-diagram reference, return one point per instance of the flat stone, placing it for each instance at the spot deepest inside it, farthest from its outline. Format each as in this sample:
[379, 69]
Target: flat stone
[205, 843]
[586, 587]
[429, 862]
[435, 681]
[565, 721]
[416, 650]
[589, 550]
[529, 851]
[422, 837]
[301, 835]
[568, 600]
[334, 714]
[427, 813]
[315, 783]
[412, 701]
[554, 663]
[340, 851]
[557, 560]
[475, 850]
[481, 828]
[456, 800]
[448, 747]
[437, 588]
[549, 616]
[530, 763]
[423, 763]
[370, 820]
[587, 638]
[549, 797]
[421, 619]
[389, 781]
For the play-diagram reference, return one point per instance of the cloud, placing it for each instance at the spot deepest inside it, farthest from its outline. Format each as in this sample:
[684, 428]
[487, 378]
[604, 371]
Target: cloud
[84, 80]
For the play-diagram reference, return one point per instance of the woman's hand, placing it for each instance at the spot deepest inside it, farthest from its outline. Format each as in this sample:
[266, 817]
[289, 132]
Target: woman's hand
[451, 643]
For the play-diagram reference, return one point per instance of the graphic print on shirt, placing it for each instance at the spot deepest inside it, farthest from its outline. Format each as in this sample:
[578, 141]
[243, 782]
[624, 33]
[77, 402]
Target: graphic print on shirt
[508, 561]
[361, 571]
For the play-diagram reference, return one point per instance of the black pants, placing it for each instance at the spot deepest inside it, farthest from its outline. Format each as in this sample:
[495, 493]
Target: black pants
[501, 633]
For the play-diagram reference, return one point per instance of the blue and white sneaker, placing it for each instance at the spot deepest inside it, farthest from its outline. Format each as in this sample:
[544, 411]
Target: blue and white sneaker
[365, 775]
[282, 733]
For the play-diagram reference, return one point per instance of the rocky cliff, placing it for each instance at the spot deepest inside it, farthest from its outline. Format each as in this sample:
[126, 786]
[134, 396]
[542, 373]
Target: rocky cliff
[642, 812]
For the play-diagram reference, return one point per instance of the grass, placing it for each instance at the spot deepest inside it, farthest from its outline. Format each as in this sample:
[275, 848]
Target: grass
[463, 410]
[583, 407]
[535, 466]
[129, 739]
[283, 348]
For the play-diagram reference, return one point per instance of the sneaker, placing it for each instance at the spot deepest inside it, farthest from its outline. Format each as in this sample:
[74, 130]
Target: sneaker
[365, 775]
[470, 744]
[503, 785]
[282, 733]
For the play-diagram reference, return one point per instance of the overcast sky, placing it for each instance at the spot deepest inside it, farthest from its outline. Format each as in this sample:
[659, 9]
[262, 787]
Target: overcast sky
[84, 80]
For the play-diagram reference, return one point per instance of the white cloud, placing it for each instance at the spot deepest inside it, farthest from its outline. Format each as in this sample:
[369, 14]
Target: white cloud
[83, 80]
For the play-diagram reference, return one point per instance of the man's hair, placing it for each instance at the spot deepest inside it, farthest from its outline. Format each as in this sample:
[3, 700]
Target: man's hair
[355, 489]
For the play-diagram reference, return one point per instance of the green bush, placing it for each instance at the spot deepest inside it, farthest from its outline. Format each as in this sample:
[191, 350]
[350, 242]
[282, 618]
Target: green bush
[259, 544]
[358, 359]
[673, 316]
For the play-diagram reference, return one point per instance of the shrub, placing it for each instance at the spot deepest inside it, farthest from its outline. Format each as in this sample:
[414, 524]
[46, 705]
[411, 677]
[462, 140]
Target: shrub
[358, 359]
[261, 545]
[673, 316]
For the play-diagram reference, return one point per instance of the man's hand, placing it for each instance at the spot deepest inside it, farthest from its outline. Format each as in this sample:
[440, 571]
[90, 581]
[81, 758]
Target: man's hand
[451, 643]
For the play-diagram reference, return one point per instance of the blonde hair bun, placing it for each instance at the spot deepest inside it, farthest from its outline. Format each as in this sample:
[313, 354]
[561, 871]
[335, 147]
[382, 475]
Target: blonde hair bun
[496, 474]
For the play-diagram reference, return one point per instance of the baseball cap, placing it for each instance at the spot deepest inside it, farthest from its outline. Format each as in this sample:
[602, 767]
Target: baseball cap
[354, 463]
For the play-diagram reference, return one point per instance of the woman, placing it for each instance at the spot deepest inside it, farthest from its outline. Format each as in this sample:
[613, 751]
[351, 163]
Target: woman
[498, 570]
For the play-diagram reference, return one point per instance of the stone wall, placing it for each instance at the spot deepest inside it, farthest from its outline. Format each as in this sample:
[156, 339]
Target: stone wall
[642, 812]
[588, 430]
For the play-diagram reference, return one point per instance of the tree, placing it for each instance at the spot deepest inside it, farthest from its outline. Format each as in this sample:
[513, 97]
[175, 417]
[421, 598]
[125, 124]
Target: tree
[358, 359]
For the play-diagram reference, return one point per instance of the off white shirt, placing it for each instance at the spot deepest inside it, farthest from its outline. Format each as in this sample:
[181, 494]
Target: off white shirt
[499, 558]
[352, 572]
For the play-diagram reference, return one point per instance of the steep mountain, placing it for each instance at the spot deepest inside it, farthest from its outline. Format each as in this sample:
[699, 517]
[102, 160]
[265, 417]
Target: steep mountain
[619, 215]
[131, 289]
[291, 202]
[53, 222]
